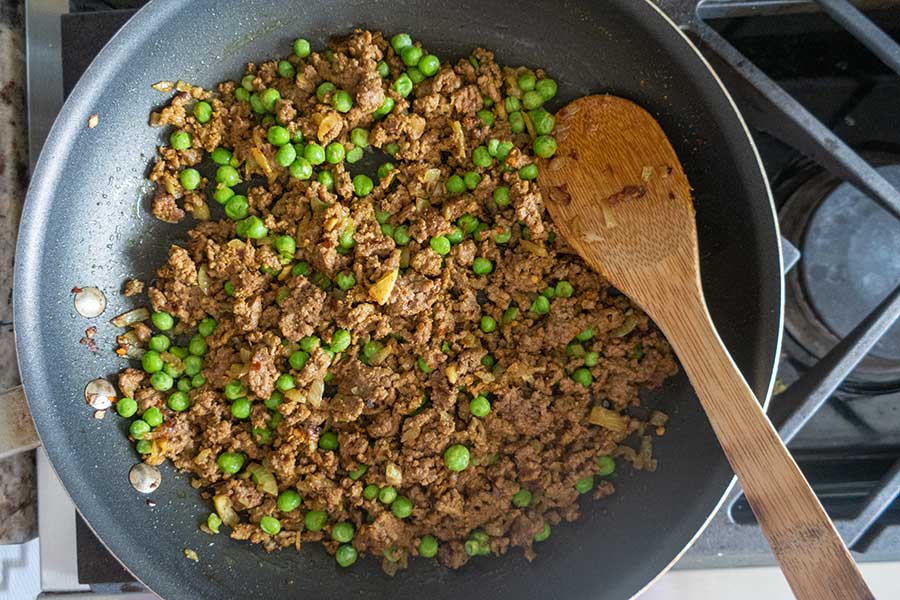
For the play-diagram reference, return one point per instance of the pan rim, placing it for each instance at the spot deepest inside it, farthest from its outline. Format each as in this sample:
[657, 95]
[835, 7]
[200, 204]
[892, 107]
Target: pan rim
[35, 213]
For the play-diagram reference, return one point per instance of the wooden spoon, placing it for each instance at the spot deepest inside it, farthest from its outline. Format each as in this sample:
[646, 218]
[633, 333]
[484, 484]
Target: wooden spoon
[619, 195]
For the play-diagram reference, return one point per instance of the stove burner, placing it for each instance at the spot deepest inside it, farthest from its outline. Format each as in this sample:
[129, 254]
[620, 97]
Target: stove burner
[850, 247]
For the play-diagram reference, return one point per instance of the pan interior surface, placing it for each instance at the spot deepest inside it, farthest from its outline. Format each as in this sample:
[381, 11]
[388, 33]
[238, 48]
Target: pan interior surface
[87, 223]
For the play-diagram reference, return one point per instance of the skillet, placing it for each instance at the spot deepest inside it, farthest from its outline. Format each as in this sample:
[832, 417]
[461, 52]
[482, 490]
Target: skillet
[87, 222]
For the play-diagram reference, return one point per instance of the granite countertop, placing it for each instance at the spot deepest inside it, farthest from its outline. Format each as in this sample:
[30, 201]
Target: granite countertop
[18, 493]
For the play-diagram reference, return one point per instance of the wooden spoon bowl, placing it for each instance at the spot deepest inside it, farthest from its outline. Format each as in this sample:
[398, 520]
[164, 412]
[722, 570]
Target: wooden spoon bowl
[617, 192]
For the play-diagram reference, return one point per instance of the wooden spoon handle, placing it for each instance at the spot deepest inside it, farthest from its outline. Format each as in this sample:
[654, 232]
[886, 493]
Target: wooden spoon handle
[812, 555]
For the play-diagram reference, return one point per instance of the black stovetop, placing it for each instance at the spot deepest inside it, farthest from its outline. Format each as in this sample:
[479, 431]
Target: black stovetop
[851, 443]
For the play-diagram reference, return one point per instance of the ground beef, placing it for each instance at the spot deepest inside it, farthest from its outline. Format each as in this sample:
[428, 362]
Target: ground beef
[133, 287]
[363, 324]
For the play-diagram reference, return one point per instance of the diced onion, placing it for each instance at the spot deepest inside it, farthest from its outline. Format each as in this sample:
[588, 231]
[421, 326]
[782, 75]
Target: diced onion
[381, 290]
[132, 316]
[203, 279]
[222, 504]
[609, 419]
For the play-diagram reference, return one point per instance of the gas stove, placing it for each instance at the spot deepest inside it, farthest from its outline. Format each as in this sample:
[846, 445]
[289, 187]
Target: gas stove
[817, 83]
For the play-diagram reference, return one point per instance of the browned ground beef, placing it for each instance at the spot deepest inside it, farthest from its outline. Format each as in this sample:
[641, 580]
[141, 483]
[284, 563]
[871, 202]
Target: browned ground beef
[400, 410]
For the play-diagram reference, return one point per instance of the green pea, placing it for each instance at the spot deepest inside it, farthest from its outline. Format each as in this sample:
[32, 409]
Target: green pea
[501, 196]
[180, 140]
[326, 179]
[529, 172]
[178, 351]
[522, 498]
[545, 146]
[288, 500]
[358, 472]
[472, 548]
[362, 184]
[240, 408]
[370, 349]
[301, 168]
[345, 555]
[440, 244]
[178, 401]
[543, 534]
[340, 340]
[384, 169]
[387, 494]
[401, 235]
[278, 135]
[173, 370]
[503, 237]
[526, 81]
[392, 148]
[423, 366]
[268, 98]
[213, 522]
[198, 380]
[256, 104]
[540, 306]
[532, 100]
[301, 48]
[606, 466]
[222, 194]
[382, 69]
[342, 532]
[509, 315]
[162, 320]
[138, 429]
[285, 382]
[207, 326]
[582, 376]
[411, 55]
[286, 156]
[297, 361]
[482, 266]
[503, 150]
[471, 179]
[230, 462]
[516, 122]
[542, 120]
[228, 175]
[161, 381]
[456, 457]
[314, 153]
[270, 525]
[183, 384]
[512, 104]
[546, 88]
[402, 507]
[486, 116]
[228, 287]
[234, 389]
[428, 546]
[345, 280]
[564, 289]
[468, 223]
[403, 85]
[480, 406]
[190, 179]
[360, 137]
[370, 492]
[144, 447]
[237, 206]
[241, 95]
[159, 343]
[583, 486]
[342, 101]
[315, 520]
[286, 69]
[255, 229]
[354, 155]
[385, 109]
[585, 335]
[153, 416]
[221, 156]
[335, 153]
[456, 235]
[309, 343]
[197, 346]
[488, 362]
[247, 82]
[126, 407]
[481, 157]
[488, 324]
[456, 185]
[400, 41]
[575, 350]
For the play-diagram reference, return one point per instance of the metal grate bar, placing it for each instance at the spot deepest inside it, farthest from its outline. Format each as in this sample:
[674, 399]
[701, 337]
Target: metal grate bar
[854, 530]
[817, 384]
[773, 110]
[863, 29]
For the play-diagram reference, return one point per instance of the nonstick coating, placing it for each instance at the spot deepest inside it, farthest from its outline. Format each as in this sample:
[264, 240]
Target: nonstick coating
[87, 222]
